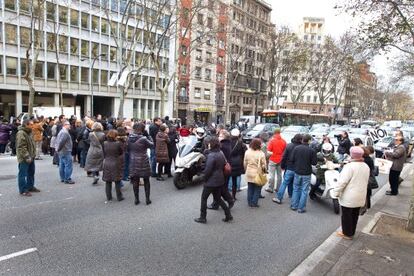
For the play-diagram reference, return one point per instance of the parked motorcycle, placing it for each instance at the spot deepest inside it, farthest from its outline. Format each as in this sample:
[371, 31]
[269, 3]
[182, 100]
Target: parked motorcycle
[188, 163]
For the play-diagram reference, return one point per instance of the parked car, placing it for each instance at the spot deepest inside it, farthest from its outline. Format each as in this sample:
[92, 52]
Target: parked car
[259, 129]
[289, 132]
[382, 145]
[319, 133]
[316, 126]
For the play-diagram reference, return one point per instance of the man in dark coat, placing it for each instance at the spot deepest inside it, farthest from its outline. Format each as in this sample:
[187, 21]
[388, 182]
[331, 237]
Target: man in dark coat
[214, 180]
[153, 131]
[161, 151]
[238, 149]
[344, 145]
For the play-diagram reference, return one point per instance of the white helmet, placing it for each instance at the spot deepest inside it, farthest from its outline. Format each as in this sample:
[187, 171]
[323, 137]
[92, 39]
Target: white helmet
[326, 149]
[235, 132]
[200, 132]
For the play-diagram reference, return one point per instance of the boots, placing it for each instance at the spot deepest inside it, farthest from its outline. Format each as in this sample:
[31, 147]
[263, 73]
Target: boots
[136, 192]
[228, 217]
[119, 196]
[147, 191]
[108, 190]
[200, 220]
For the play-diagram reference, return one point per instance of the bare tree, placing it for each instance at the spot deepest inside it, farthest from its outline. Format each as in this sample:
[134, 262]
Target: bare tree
[34, 47]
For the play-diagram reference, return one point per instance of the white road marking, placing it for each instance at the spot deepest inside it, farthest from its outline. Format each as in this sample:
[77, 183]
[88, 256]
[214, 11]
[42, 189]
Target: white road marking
[17, 254]
[39, 203]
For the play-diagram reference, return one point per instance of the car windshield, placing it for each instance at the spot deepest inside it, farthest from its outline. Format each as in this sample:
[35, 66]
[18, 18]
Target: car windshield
[358, 131]
[294, 129]
[321, 130]
[258, 127]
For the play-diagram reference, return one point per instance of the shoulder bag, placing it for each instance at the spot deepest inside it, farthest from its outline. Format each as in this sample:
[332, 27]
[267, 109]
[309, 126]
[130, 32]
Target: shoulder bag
[227, 166]
[260, 178]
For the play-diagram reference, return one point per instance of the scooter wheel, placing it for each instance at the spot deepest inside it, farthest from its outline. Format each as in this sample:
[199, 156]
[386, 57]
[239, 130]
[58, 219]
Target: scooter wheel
[336, 205]
[180, 180]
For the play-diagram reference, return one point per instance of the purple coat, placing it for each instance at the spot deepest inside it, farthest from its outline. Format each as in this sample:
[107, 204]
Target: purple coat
[5, 133]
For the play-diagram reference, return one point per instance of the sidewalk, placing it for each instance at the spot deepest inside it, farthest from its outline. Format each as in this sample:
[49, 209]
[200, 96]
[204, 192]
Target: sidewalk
[381, 246]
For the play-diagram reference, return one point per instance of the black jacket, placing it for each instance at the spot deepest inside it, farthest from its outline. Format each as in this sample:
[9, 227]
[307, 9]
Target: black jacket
[287, 158]
[225, 146]
[303, 157]
[213, 171]
[153, 131]
[344, 146]
[238, 149]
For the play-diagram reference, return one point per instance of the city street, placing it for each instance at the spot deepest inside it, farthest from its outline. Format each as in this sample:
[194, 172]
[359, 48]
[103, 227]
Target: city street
[74, 231]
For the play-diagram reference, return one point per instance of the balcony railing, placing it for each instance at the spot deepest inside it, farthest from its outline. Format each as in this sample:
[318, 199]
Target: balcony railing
[183, 99]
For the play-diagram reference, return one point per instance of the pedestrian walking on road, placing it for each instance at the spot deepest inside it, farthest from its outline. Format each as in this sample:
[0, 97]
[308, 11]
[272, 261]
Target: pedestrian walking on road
[86, 143]
[14, 129]
[289, 168]
[113, 165]
[303, 157]
[213, 181]
[254, 161]
[37, 131]
[351, 190]
[398, 156]
[95, 156]
[139, 162]
[64, 147]
[275, 148]
[26, 153]
[161, 151]
[172, 148]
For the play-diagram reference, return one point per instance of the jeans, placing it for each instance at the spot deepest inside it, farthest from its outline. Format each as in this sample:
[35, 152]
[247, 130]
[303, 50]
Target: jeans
[253, 193]
[288, 178]
[153, 161]
[25, 177]
[126, 167]
[274, 168]
[65, 166]
[38, 148]
[233, 185]
[82, 162]
[300, 191]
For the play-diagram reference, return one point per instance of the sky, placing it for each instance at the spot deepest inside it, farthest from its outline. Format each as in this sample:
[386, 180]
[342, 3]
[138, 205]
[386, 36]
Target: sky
[291, 12]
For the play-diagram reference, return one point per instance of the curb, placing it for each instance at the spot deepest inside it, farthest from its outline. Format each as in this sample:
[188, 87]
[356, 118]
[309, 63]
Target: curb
[309, 264]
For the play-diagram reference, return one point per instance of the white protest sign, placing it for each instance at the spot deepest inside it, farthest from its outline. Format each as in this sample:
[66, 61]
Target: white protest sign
[378, 134]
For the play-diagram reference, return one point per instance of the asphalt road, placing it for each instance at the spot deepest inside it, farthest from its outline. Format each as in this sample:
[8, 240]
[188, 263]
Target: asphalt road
[75, 232]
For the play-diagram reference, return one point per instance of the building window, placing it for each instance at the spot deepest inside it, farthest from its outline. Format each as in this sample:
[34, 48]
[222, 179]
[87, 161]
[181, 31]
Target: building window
[219, 76]
[63, 15]
[144, 82]
[63, 72]
[207, 94]
[11, 66]
[151, 83]
[74, 18]
[24, 36]
[63, 44]
[50, 11]
[22, 67]
[85, 20]
[197, 73]
[104, 77]
[74, 46]
[221, 44]
[104, 26]
[11, 34]
[308, 99]
[25, 6]
[51, 71]
[183, 50]
[199, 54]
[95, 76]
[220, 60]
[39, 70]
[10, 4]
[197, 93]
[104, 51]
[183, 69]
[331, 100]
[315, 99]
[74, 74]
[208, 74]
[51, 41]
[95, 49]
[84, 74]
[200, 19]
[95, 23]
[209, 57]
[112, 54]
[210, 22]
[84, 48]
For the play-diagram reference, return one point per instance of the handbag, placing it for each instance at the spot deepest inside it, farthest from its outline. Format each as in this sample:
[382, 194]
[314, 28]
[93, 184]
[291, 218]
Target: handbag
[372, 182]
[227, 166]
[261, 178]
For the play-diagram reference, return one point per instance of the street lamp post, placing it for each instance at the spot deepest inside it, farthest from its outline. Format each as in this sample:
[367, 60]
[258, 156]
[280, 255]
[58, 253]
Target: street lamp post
[74, 102]
[91, 81]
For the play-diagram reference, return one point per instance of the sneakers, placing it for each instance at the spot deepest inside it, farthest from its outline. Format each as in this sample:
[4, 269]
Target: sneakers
[276, 200]
[269, 190]
[301, 211]
[160, 179]
[26, 194]
[34, 190]
[70, 181]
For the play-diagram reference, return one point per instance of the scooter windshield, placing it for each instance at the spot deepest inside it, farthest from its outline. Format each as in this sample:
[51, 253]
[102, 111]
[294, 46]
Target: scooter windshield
[187, 145]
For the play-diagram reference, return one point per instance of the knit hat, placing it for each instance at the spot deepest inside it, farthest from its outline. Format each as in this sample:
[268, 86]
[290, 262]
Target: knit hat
[357, 153]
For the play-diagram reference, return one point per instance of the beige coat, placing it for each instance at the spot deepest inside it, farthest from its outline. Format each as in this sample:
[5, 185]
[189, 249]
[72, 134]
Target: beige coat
[351, 189]
[251, 162]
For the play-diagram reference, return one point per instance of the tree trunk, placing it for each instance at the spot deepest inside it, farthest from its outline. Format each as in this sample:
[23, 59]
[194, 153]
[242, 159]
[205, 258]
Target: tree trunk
[121, 102]
[162, 103]
[32, 92]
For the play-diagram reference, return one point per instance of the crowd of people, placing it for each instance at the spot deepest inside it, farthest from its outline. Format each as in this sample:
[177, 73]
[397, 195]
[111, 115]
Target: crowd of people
[135, 151]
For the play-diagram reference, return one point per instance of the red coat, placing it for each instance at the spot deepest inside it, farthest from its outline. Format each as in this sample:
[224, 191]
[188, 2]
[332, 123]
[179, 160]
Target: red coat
[277, 145]
[184, 132]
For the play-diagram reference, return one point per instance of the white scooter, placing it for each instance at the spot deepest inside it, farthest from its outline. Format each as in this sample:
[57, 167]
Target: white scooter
[188, 162]
[331, 179]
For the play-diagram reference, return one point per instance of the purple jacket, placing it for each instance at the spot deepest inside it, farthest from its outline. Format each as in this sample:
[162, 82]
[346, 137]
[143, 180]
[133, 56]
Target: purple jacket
[5, 133]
